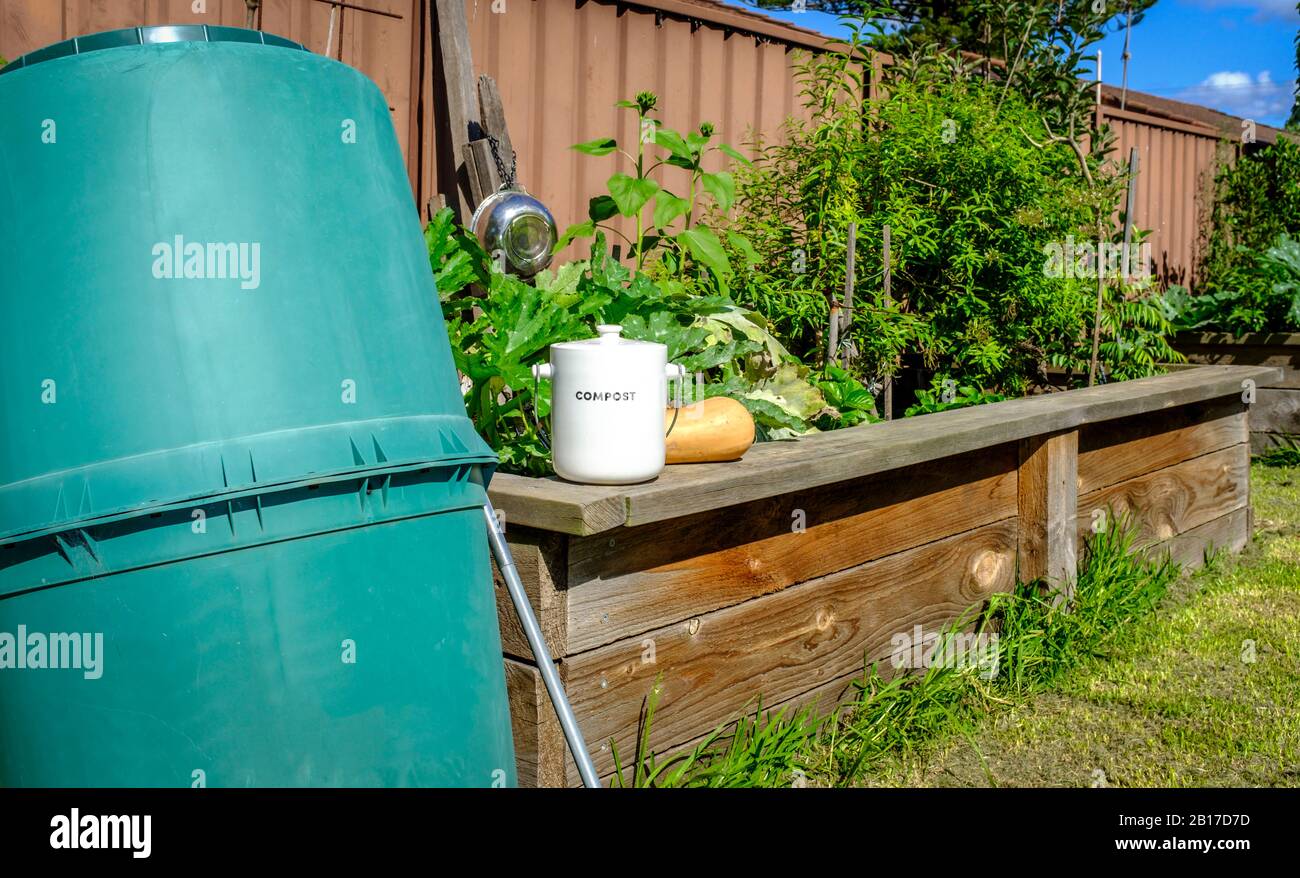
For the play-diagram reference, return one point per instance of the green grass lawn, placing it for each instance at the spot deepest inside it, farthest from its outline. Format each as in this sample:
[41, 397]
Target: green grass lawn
[1205, 692]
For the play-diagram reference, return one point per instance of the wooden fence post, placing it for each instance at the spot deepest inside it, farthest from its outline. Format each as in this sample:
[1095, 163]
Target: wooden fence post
[1048, 501]
[451, 33]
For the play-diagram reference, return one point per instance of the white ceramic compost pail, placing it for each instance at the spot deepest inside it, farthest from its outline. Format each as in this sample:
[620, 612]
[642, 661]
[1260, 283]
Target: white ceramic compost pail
[608, 396]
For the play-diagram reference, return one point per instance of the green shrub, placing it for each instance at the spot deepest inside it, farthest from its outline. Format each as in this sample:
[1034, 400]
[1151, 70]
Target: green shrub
[976, 191]
[1256, 199]
[1259, 293]
[1251, 264]
[945, 394]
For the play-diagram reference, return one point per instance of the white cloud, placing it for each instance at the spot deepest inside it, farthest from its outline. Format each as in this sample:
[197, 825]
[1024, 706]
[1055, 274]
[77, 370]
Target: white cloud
[1255, 97]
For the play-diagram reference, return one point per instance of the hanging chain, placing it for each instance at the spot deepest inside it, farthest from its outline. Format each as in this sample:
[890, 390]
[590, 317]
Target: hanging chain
[507, 177]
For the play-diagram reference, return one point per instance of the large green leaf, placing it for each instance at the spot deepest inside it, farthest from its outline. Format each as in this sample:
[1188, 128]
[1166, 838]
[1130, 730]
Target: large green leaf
[669, 207]
[673, 142]
[790, 389]
[706, 249]
[741, 243]
[577, 230]
[631, 193]
[665, 328]
[745, 323]
[601, 208]
[599, 146]
[722, 187]
[697, 140]
[731, 152]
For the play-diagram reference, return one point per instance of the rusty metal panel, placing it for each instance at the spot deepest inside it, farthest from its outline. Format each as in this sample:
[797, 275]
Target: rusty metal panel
[562, 64]
[1174, 162]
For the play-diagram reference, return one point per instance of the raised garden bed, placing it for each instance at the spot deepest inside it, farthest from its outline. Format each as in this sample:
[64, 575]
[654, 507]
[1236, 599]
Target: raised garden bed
[778, 574]
[1276, 413]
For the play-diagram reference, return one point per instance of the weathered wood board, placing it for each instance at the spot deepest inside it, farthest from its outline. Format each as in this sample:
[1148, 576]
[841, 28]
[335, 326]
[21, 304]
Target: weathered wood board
[541, 756]
[1171, 501]
[1116, 451]
[1276, 413]
[1048, 494]
[667, 571]
[773, 468]
[539, 558]
[785, 643]
[781, 576]
[1274, 418]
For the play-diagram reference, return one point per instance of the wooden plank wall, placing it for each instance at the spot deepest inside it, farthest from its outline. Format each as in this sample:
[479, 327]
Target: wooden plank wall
[1275, 417]
[786, 596]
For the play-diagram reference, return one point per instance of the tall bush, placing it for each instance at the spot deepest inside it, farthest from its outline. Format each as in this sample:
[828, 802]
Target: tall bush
[1255, 216]
[977, 190]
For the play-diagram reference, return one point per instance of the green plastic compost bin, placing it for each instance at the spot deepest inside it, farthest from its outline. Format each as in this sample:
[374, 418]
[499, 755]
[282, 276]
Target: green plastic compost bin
[241, 536]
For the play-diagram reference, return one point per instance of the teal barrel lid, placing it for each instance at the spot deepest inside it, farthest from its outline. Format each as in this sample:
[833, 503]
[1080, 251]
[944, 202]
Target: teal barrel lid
[212, 280]
[136, 36]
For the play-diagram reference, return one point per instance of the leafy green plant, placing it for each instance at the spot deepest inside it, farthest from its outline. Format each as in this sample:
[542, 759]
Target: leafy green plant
[500, 326]
[945, 394]
[978, 170]
[1256, 200]
[754, 750]
[854, 403]
[1286, 453]
[495, 349]
[455, 256]
[1261, 294]
[666, 224]
[1043, 633]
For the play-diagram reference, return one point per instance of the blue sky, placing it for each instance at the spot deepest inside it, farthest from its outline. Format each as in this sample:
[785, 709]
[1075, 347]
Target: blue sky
[1237, 56]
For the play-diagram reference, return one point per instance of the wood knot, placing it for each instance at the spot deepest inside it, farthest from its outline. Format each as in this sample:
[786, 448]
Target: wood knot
[989, 568]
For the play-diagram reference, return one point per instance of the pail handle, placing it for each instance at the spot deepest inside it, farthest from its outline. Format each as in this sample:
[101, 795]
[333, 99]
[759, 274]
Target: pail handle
[675, 372]
[672, 372]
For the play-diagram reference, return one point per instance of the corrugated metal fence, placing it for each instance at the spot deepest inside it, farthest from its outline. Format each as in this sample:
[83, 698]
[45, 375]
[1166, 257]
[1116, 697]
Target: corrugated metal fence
[561, 65]
[1176, 164]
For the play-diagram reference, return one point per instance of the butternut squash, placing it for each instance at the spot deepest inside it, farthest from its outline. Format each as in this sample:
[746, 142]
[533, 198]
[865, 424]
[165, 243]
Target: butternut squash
[717, 429]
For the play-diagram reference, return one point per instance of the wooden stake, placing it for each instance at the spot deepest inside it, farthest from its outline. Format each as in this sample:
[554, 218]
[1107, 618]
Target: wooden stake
[850, 269]
[1130, 205]
[887, 397]
[833, 335]
[1096, 320]
[451, 30]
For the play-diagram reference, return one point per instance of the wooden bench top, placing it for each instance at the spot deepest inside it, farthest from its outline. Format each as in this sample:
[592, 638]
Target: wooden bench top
[773, 468]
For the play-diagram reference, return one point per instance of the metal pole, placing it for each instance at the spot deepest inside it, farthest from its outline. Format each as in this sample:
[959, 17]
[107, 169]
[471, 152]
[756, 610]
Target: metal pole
[1128, 29]
[533, 631]
[1130, 205]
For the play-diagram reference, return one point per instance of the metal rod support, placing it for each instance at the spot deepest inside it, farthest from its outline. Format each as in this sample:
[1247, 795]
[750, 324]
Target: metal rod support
[533, 631]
